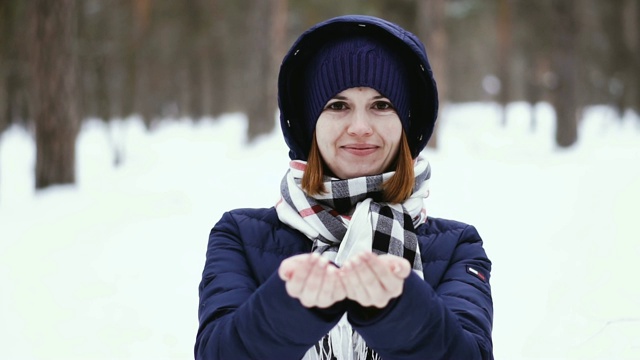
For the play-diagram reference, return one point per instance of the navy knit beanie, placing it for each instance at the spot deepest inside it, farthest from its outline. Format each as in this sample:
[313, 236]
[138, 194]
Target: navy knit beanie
[357, 61]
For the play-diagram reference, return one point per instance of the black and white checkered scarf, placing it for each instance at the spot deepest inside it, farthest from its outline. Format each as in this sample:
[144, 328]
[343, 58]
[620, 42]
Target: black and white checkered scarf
[348, 219]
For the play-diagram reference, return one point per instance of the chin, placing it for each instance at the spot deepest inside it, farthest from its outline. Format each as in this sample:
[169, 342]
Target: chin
[360, 172]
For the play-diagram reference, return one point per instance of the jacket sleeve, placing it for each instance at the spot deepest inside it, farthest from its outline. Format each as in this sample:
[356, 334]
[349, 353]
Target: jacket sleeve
[240, 319]
[452, 320]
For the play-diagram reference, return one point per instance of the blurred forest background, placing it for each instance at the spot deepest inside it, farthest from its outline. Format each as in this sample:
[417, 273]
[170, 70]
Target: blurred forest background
[65, 61]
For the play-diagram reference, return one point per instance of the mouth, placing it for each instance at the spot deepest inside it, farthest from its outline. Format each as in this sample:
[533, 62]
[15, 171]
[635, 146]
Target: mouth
[360, 149]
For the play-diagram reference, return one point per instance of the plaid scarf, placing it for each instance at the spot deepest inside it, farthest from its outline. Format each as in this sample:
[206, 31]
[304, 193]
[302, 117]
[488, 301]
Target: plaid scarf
[348, 219]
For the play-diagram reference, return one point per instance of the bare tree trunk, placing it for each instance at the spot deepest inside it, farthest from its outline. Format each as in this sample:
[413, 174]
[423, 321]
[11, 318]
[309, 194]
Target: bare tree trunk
[217, 66]
[637, 55]
[538, 66]
[54, 89]
[278, 34]
[632, 29]
[261, 76]
[564, 62]
[431, 16]
[194, 34]
[142, 71]
[620, 64]
[256, 77]
[206, 87]
[504, 51]
[120, 30]
[101, 66]
[5, 23]
[13, 58]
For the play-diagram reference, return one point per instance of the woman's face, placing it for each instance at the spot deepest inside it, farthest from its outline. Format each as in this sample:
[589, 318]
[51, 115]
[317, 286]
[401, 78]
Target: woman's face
[358, 133]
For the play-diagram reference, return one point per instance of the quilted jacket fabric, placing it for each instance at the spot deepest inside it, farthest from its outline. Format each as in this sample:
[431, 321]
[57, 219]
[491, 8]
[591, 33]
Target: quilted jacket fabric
[245, 312]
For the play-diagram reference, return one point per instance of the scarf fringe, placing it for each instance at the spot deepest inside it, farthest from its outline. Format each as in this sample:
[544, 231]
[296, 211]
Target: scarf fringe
[341, 343]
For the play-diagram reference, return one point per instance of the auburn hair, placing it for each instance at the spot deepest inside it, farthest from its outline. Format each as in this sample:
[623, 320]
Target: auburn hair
[395, 190]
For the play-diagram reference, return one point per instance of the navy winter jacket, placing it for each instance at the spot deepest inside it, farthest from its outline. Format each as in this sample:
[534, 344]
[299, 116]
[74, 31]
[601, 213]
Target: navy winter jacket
[245, 312]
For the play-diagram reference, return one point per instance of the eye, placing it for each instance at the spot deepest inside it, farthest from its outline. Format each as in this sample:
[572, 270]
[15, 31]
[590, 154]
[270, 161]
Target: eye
[336, 106]
[382, 105]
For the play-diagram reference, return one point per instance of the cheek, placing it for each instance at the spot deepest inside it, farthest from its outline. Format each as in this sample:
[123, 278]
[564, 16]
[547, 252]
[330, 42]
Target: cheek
[392, 133]
[322, 146]
[323, 137]
[326, 132]
[321, 128]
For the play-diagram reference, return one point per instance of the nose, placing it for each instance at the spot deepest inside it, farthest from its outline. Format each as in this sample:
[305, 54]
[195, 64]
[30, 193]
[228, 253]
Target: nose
[359, 124]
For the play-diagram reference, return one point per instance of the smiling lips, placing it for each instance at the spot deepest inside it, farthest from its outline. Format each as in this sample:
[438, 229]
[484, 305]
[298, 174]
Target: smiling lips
[360, 149]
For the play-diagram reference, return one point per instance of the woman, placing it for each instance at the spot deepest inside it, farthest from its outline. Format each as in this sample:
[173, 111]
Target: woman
[347, 265]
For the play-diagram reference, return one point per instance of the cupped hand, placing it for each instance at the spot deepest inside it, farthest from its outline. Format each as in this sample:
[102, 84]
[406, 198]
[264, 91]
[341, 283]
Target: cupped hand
[312, 279]
[373, 280]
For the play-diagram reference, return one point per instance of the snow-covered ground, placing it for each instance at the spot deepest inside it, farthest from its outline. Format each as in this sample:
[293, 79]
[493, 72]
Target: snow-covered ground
[109, 268]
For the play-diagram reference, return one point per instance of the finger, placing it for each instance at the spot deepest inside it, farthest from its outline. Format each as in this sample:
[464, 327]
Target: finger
[370, 278]
[285, 269]
[383, 266]
[299, 275]
[386, 285]
[313, 283]
[288, 266]
[354, 285]
[328, 295]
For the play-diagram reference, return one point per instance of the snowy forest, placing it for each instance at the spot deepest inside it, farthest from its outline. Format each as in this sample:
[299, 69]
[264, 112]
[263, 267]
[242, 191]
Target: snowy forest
[129, 127]
[62, 62]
